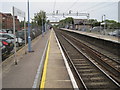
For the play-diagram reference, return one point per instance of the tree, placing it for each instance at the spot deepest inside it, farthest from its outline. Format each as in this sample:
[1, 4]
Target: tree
[112, 24]
[67, 21]
[62, 23]
[40, 17]
[94, 22]
[22, 24]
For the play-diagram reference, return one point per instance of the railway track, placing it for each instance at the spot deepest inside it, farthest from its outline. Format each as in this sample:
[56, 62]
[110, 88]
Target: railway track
[110, 65]
[89, 72]
[101, 49]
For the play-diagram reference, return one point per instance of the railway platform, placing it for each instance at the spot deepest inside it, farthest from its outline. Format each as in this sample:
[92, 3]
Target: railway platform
[104, 37]
[55, 73]
[46, 67]
[23, 74]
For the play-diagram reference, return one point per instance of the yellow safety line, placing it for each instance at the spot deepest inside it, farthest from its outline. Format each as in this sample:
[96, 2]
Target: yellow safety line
[42, 85]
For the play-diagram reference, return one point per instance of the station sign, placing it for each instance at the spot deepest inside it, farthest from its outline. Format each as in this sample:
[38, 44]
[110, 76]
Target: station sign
[18, 12]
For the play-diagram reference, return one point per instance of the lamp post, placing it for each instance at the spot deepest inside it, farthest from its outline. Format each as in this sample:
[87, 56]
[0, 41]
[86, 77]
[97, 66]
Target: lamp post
[25, 34]
[29, 37]
[88, 16]
[119, 11]
[103, 19]
[70, 11]
[46, 24]
[42, 25]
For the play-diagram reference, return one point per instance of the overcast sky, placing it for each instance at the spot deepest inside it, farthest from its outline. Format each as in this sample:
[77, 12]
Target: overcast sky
[96, 8]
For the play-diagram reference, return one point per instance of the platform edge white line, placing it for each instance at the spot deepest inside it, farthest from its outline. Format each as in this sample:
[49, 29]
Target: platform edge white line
[75, 86]
[39, 70]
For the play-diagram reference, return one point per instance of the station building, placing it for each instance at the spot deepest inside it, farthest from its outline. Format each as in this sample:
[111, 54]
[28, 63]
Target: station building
[81, 24]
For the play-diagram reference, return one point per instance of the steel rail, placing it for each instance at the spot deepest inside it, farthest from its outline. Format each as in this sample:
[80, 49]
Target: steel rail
[89, 60]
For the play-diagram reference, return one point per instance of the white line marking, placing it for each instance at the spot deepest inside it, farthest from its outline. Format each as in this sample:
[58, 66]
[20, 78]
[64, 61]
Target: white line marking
[75, 86]
[39, 71]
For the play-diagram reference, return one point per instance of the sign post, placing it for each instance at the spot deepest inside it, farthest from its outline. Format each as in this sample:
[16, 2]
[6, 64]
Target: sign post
[16, 12]
[25, 34]
[42, 25]
[15, 59]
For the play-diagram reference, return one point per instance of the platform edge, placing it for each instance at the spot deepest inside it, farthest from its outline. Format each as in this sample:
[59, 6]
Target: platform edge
[75, 86]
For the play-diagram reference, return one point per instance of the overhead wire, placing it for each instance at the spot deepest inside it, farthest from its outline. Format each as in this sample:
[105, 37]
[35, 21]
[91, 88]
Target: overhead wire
[54, 6]
[102, 7]
[71, 6]
[91, 8]
[98, 4]
[99, 7]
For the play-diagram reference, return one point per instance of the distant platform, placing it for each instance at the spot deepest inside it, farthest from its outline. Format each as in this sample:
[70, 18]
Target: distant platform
[104, 37]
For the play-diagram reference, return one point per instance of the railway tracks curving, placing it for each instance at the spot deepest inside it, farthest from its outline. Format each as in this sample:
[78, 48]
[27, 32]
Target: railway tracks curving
[89, 65]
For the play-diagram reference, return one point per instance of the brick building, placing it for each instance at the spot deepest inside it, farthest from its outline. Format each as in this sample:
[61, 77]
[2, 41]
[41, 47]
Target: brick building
[7, 21]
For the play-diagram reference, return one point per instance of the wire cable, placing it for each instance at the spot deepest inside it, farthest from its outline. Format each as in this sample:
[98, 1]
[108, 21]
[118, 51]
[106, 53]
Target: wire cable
[54, 7]
[98, 4]
[102, 7]
[71, 6]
